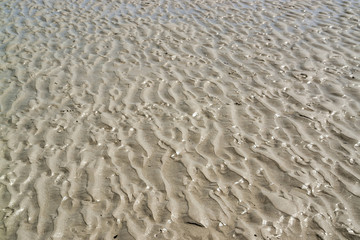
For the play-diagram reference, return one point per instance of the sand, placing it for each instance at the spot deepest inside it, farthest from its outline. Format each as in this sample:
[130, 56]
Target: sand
[179, 119]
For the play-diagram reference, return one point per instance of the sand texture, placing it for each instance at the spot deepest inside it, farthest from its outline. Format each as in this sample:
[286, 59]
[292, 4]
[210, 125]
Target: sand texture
[182, 119]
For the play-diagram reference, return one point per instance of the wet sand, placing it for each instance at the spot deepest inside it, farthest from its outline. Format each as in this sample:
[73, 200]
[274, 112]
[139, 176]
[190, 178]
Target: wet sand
[179, 119]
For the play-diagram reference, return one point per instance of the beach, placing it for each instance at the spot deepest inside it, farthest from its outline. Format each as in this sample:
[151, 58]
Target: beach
[180, 119]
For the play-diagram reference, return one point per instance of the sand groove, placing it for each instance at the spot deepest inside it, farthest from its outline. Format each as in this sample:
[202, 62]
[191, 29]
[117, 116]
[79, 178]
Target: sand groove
[180, 119]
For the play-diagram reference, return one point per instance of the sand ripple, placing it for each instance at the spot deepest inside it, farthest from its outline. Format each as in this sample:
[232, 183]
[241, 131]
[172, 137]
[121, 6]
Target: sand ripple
[180, 119]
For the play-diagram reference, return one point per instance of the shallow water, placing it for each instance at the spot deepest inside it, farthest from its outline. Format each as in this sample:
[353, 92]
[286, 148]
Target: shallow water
[180, 119]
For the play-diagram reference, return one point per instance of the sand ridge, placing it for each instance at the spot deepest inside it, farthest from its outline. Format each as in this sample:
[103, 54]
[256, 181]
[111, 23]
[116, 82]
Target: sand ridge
[179, 119]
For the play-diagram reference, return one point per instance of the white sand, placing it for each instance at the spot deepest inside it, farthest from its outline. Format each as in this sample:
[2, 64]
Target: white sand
[179, 119]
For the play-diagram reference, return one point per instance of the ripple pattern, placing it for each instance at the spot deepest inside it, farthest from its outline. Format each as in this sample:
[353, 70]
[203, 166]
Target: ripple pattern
[180, 119]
